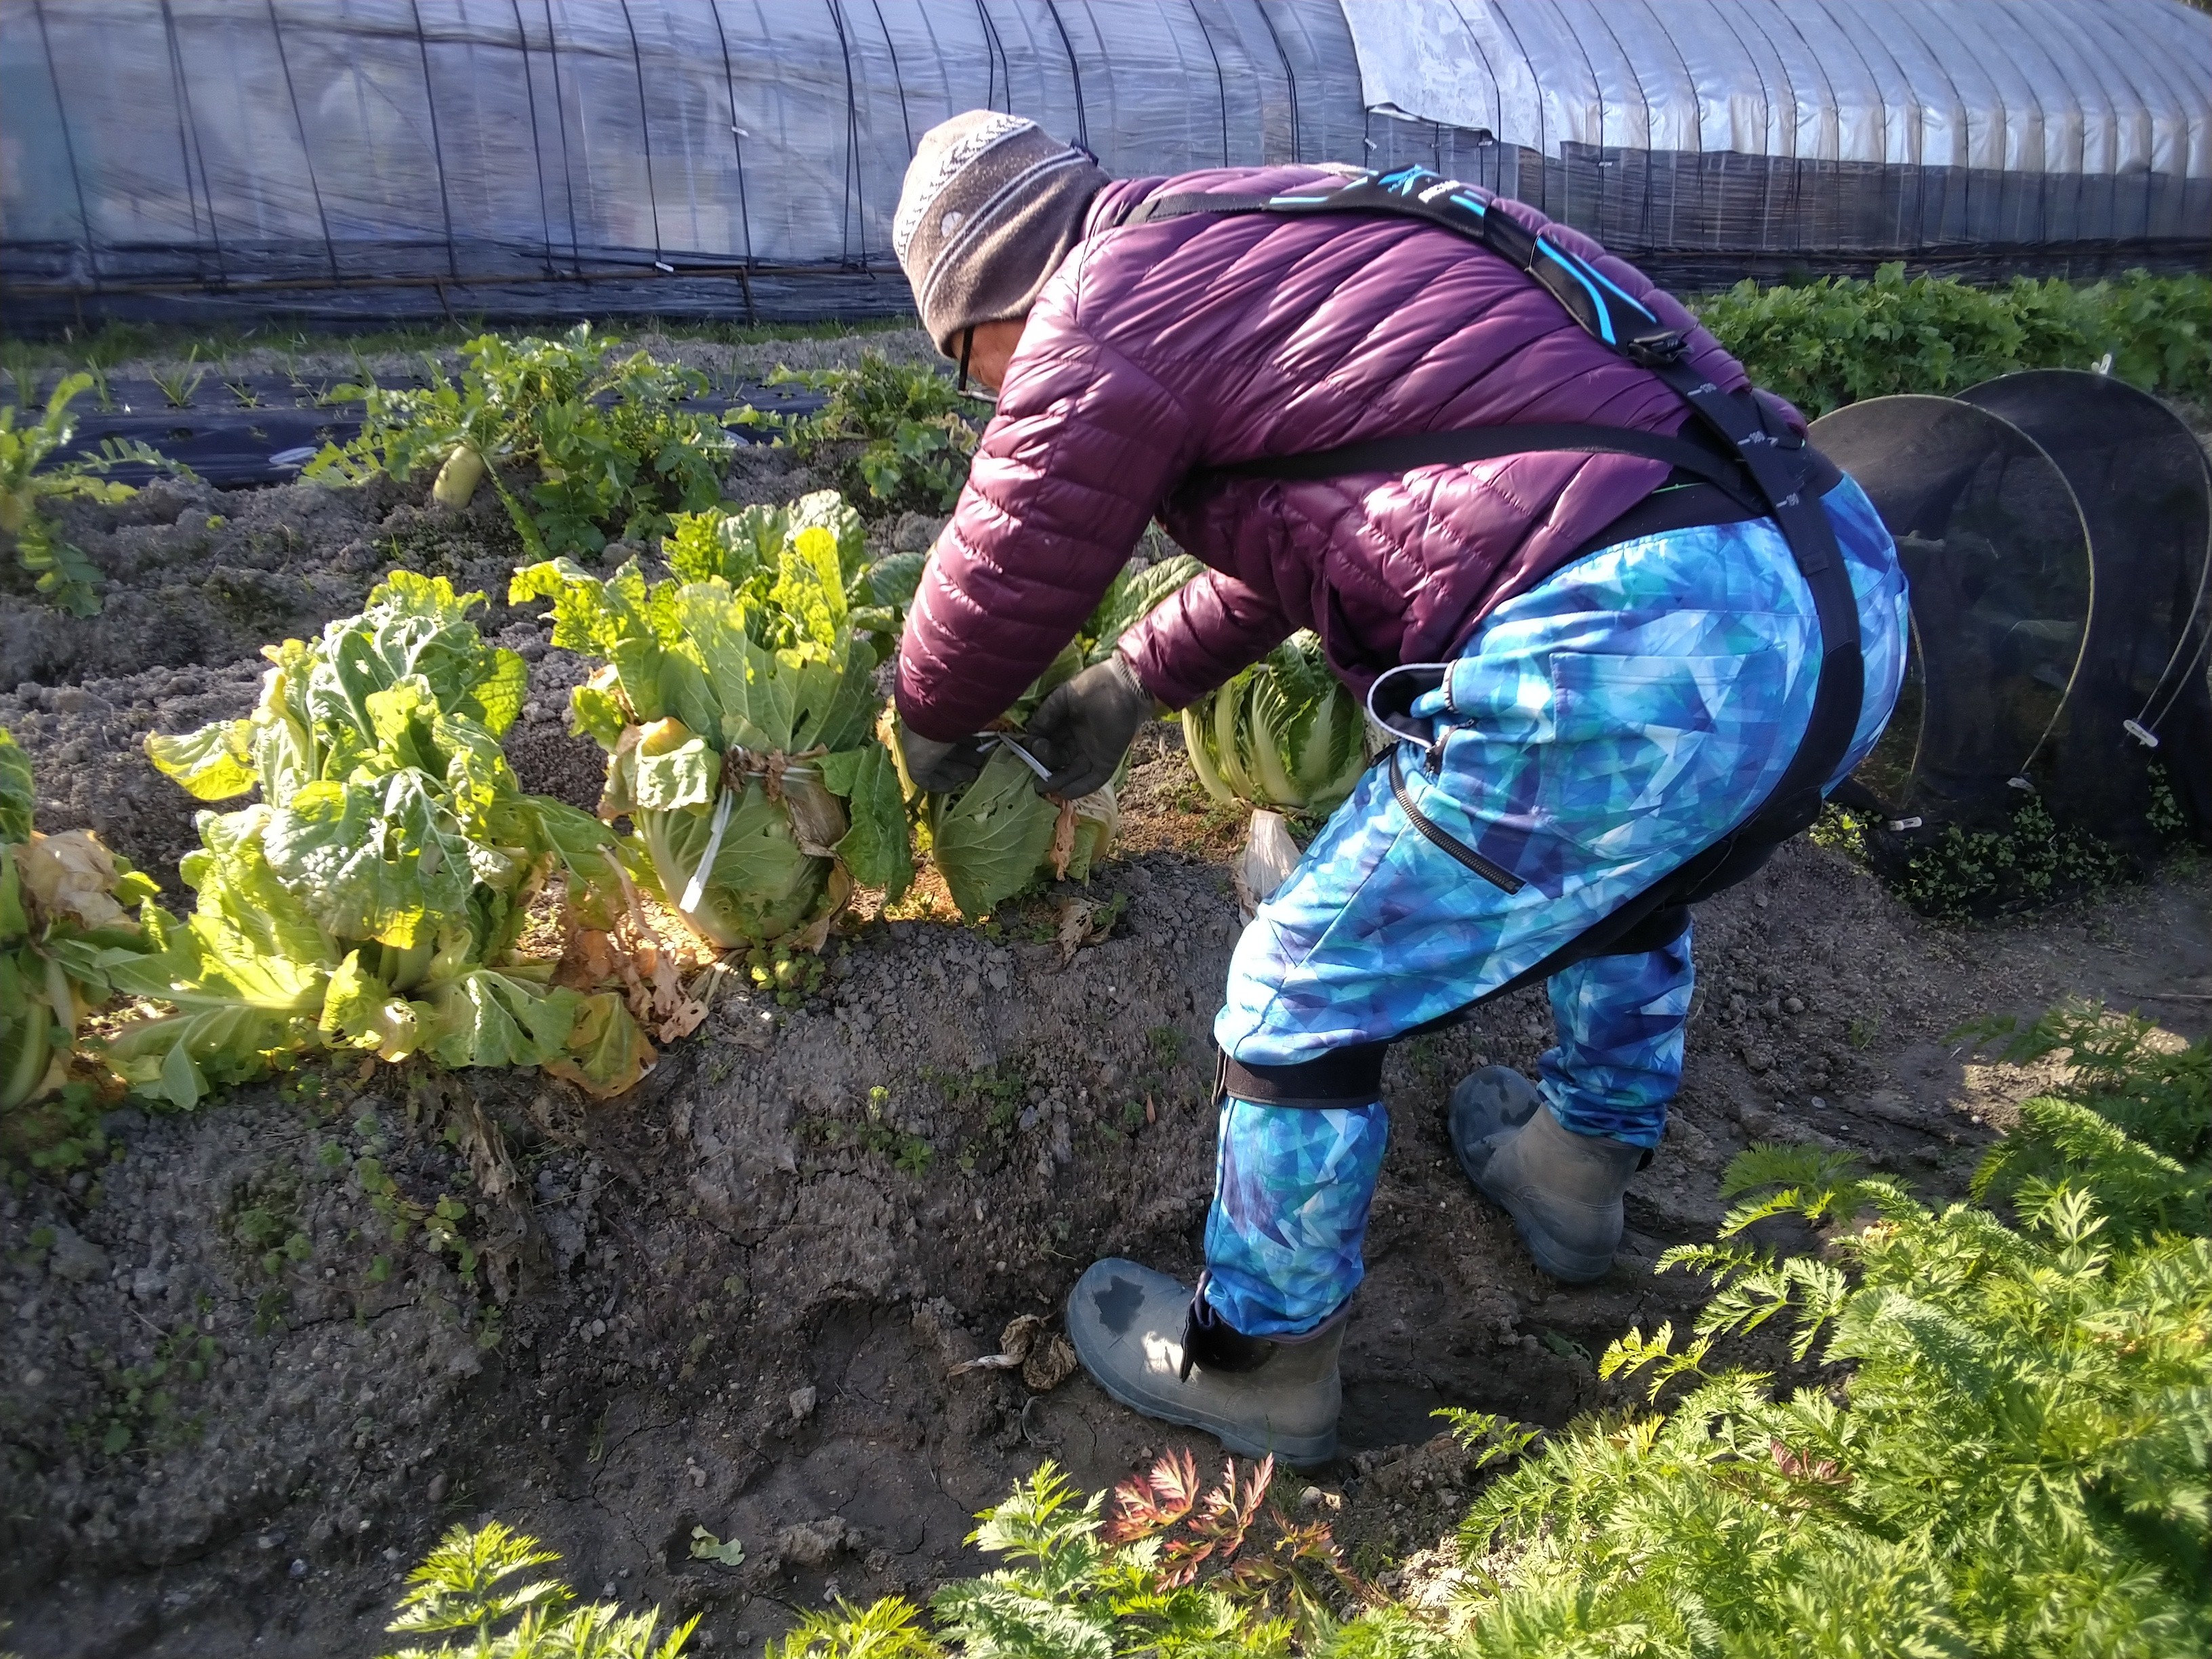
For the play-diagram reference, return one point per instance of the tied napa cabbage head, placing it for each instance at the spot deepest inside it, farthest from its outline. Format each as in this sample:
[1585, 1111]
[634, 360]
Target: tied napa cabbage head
[376, 895]
[996, 835]
[736, 706]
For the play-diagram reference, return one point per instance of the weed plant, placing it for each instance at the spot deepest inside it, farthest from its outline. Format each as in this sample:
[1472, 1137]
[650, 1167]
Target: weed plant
[2165, 817]
[2032, 861]
[913, 428]
[1981, 872]
[34, 474]
[2004, 1448]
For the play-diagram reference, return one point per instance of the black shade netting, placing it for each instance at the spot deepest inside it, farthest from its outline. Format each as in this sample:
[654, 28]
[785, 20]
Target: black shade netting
[2146, 493]
[1993, 545]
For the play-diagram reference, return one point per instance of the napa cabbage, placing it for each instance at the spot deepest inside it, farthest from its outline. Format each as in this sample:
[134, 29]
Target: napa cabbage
[1284, 734]
[737, 705]
[64, 922]
[376, 896]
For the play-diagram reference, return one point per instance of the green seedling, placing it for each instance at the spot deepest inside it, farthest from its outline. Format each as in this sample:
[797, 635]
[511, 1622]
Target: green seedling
[180, 383]
[21, 364]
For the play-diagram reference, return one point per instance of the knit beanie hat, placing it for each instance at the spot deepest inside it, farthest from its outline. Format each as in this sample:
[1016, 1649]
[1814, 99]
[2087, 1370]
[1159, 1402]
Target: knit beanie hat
[990, 207]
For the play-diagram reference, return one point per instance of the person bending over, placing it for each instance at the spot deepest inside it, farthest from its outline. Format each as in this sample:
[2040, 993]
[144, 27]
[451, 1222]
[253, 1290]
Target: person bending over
[1470, 451]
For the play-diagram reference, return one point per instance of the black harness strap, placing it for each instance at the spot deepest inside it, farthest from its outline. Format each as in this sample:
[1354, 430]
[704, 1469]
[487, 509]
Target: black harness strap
[1761, 463]
[1342, 1079]
[1490, 443]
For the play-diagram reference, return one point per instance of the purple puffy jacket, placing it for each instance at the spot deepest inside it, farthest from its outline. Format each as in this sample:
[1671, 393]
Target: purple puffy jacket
[1162, 349]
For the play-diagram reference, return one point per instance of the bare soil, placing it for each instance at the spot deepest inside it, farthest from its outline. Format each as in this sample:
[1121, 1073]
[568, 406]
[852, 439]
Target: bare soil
[732, 1300]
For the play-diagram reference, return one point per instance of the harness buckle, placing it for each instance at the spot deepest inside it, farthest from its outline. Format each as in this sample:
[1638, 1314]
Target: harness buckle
[1658, 349]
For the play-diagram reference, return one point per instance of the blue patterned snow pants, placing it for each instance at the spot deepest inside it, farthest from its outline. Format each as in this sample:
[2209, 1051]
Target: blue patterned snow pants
[1602, 728]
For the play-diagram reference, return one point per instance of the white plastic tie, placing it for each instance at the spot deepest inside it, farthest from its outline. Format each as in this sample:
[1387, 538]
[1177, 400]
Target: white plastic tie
[1027, 759]
[1899, 826]
[2141, 734]
[2020, 784]
[696, 888]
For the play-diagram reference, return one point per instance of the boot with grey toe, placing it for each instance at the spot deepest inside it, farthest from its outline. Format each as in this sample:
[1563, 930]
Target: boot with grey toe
[1160, 1350]
[1562, 1189]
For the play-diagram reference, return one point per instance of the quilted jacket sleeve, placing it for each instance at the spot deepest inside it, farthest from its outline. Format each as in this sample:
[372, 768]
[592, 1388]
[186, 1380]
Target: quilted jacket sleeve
[1201, 634]
[1085, 445]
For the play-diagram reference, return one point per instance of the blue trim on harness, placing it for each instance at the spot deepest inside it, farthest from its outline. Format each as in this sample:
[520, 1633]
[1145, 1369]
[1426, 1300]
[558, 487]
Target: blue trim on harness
[1573, 268]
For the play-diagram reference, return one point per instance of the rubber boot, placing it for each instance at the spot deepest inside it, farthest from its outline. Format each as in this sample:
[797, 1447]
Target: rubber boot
[1562, 1189]
[1158, 1349]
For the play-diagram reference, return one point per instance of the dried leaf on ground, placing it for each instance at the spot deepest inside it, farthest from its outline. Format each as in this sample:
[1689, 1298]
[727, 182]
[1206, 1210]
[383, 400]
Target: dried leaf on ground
[1044, 1357]
[1050, 1362]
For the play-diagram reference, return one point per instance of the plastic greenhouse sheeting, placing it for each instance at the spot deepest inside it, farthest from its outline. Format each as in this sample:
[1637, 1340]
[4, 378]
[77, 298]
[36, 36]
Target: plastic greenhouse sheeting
[1965, 129]
[734, 156]
[383, 157]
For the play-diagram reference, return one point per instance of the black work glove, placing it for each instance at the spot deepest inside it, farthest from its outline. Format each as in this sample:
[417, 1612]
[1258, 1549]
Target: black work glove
[939, 767]
[1083, 728]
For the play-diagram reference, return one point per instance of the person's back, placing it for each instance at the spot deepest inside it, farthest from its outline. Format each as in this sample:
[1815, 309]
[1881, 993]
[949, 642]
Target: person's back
[1613, 666]
[1161, 350]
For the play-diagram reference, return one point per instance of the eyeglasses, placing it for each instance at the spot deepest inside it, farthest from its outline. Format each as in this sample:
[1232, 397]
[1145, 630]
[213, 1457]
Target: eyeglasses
[967, 348]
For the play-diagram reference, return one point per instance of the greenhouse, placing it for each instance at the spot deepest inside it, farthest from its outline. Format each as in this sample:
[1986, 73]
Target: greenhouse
[365, 158]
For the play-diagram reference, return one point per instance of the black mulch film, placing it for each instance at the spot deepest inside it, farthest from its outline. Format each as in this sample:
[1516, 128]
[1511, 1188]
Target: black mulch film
[262, 429]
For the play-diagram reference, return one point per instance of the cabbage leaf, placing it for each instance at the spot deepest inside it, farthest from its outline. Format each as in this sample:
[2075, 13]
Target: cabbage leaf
[990, 839]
